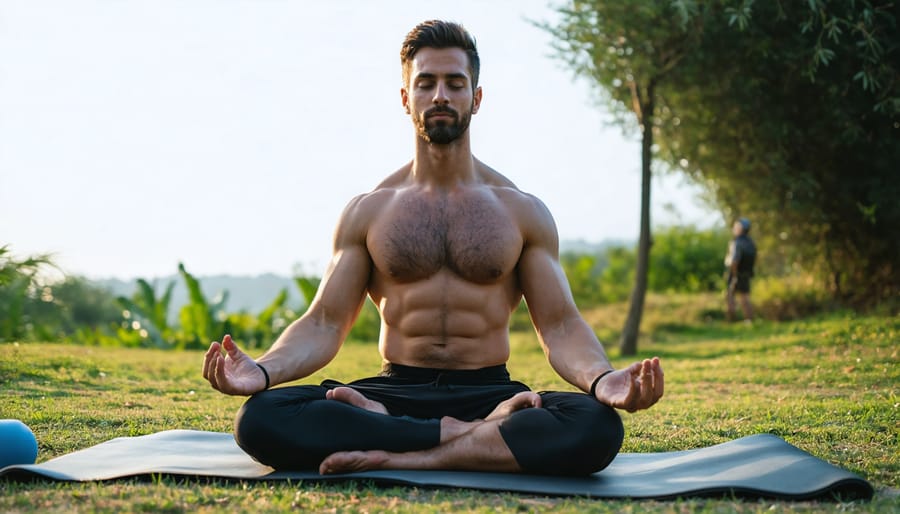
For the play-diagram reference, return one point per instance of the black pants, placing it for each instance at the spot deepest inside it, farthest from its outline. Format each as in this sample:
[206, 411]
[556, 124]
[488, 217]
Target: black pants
[296, 428]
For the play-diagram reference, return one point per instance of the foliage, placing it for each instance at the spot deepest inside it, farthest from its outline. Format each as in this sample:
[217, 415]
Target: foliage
[150, 315]
[788, 298]
[619, 273]
[270, 322]
[71, 309]
[685, 259]
[202, 321]
[18, 285]
[308, 287]
[35, 307]
[820, 183]
[75, 310]
[787, 112]
[583, 273]
[367, 326]
[624, 48]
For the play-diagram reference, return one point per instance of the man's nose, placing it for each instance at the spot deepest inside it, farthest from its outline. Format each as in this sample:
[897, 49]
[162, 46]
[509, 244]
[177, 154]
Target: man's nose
[440, 95]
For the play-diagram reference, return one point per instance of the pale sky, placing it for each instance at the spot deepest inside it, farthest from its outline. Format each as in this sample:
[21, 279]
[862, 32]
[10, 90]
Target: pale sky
[229, 134]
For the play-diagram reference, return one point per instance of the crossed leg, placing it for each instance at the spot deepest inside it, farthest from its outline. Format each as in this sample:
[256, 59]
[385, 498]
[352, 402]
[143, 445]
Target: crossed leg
[472, 445]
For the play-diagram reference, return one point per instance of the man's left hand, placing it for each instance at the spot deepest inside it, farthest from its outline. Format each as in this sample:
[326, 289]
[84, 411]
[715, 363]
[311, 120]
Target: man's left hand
[636, 387]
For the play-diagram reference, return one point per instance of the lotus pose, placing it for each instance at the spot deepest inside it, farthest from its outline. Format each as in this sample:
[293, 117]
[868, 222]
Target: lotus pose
[446, 248]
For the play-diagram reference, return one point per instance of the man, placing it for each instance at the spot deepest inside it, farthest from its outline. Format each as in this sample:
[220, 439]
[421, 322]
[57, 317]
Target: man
[739, 263]
[446, 247]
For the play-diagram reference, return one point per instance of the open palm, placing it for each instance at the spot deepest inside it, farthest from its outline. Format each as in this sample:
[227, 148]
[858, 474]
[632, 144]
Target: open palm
[636, 387]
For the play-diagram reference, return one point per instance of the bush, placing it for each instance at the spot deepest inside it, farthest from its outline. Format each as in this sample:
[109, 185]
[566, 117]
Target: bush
[683, 259]
[687, 260]
[789, 298]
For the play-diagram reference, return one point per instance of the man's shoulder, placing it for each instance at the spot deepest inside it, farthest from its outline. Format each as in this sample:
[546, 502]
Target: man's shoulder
[745, 247]
[396, 179]
[745, 241]
[381, 193]
[492, 177]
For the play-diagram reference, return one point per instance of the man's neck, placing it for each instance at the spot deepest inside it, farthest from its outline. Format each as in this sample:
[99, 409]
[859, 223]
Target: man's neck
[443, 165]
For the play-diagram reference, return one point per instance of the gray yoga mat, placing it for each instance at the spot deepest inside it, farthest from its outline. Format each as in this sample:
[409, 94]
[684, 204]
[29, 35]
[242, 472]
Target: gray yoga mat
[756, 466]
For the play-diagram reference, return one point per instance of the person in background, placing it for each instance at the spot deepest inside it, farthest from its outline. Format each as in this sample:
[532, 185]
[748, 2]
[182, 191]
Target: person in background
[739, 262]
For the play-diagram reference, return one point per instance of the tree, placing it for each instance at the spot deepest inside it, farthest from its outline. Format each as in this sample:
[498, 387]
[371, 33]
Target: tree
[628, 50]
[789, 113]
[786, 112]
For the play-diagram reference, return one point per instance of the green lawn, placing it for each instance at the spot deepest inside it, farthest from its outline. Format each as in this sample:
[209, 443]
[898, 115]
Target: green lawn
[827, 385]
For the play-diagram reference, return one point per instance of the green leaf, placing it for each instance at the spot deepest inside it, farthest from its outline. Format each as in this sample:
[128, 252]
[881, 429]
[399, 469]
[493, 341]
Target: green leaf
[307, 288]
[265, 317]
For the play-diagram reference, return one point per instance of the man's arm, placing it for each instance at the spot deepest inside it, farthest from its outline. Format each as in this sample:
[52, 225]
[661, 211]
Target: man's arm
[735, 259]
[312, 341]
[570, 344]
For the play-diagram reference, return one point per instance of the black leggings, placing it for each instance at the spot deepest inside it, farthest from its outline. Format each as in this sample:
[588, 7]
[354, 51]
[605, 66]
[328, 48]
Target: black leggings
[296, 428]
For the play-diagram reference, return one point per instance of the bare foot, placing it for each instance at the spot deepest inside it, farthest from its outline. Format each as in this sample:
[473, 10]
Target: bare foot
[355, 398]
[350, 462]
[523, 400]
[451, 428]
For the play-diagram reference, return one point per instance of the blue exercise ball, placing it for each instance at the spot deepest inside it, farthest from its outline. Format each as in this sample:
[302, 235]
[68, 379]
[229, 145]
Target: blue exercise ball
[17, 443]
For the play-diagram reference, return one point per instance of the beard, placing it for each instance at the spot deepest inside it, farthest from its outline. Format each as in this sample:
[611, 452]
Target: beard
[442, 132]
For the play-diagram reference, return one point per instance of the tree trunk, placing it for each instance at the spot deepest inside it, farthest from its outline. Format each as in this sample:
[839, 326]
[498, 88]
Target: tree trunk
[629, 342]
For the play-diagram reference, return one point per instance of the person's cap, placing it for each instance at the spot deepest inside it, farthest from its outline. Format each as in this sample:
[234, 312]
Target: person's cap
[744, 223]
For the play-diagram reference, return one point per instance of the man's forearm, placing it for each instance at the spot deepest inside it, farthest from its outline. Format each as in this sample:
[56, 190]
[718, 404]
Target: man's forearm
[301, 350]
[576, 354]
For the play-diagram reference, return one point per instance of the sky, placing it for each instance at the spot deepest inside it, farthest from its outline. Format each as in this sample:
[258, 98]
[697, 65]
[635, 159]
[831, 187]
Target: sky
[229, 134]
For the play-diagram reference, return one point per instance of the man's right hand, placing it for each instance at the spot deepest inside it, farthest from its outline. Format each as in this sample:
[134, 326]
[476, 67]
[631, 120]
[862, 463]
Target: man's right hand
[233, 372]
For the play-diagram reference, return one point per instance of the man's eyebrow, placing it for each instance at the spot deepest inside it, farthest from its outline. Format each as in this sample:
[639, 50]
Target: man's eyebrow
[431, 76]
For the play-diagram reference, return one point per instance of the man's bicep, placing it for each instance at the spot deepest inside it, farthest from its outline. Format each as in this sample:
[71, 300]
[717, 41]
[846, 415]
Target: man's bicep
[543, 282]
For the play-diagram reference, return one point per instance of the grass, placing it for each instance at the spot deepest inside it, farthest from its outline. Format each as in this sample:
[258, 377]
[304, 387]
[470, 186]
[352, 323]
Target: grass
[828, 385]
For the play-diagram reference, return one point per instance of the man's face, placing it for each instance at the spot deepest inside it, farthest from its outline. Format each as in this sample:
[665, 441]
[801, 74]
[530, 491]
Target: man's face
[439, 95]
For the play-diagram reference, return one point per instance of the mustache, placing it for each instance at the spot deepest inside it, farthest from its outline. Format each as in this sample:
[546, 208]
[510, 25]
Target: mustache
[441, 109]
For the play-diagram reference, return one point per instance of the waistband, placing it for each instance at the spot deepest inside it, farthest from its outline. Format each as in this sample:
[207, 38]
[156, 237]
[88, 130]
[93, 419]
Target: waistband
[458, 376]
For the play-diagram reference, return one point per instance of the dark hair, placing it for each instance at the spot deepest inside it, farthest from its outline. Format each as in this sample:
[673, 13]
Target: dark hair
[439, 34]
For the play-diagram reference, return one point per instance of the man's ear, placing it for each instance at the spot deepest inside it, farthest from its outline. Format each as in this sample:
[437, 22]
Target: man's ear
[476, 100]
[404, 99]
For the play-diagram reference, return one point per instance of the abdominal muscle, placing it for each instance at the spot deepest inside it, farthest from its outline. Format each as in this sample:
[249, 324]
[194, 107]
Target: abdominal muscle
[445, 322]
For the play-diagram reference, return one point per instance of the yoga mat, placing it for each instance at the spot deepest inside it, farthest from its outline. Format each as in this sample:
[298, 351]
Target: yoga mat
[761, 465]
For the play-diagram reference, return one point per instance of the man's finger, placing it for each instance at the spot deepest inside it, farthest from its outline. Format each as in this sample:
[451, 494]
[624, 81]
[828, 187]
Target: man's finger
[647, 393]
[658, 379]
[208, 357]
[231, 348]
[632, 398]
[217, 369]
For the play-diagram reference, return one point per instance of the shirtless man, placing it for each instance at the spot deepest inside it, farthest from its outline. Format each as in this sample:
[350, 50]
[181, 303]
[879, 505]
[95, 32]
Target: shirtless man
[446, 247]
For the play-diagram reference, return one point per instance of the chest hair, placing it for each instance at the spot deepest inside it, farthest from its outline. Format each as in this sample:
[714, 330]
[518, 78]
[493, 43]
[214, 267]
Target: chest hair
[473, 236]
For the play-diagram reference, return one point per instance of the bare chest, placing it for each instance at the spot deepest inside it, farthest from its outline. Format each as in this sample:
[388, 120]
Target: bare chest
[472, 235]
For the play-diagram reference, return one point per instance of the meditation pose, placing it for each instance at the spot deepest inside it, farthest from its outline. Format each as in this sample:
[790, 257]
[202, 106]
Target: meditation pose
[446, 248]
